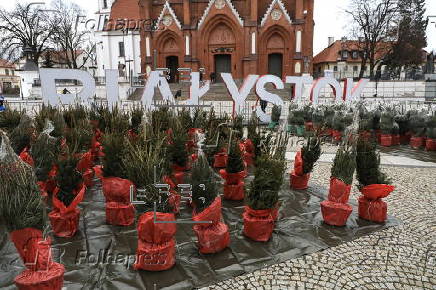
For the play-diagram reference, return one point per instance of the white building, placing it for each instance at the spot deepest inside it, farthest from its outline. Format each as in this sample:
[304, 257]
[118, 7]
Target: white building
[117, 47]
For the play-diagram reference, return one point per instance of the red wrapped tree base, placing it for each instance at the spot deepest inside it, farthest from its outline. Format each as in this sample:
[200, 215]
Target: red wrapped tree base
[48, 279]
[299, 182]
[386, 140]
[335, 214]
[339, 191]
[337, 135]
[120, 214]
[220, 160]
[174, 201]
[372, 210]
[234, 192]
[430, 144]
[155, 257]
[64, 225]
[396, 139]
[232, 178]
[259, 224]
[376, 191]
[211, 214]
[212, 239]
[308, 126]
[116, 189]
[88, 175]
[179, 177]
[416, 142]
[26, 157]
[154, 232]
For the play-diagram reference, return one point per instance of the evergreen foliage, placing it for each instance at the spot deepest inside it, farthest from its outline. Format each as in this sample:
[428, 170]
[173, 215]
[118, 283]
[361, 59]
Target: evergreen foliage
[417, 124]
[177, 150]
[344, 164]
[22, 135]
[114, 148]
[431, 126]
[276, 113]
[10, 119]
[368, 164]
[235, 164]
[68, 177]
[136, 119]
[387, 122]
[204, 184]
[310, 153]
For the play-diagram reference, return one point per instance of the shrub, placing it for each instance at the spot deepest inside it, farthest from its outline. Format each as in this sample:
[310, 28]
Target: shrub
[204, 184]
[310, 153]
[344, 164]
[368, 164]
[235, 163]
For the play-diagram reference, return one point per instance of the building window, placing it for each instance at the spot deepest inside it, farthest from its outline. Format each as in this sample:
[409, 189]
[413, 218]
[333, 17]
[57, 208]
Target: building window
[335, 68]
[355, 54]
[104, 4]
[344, 54]
[355, 68]
[7, 72]
[121, 49]
[346, 68]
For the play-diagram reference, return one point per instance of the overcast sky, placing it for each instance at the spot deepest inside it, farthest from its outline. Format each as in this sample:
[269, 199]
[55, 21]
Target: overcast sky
[330, 19]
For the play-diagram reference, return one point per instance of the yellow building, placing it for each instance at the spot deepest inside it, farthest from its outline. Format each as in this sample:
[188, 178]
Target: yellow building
[9, 81]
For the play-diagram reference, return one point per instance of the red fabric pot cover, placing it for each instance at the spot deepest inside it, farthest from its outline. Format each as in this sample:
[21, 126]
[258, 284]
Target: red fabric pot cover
[248, 158]
[232, 178]
[329, 131]
[372, 210]
[298, 164]
[153, 232]
[335, 214]
[396, 139]
[174, 201]
[212, 239]
[339, 191]
[376, 191]
[43, 190]
[220, 160]
[212, 214]
[386, 140]
[258, 224]
[64, 225]
[116, 189]
[404, 139]
[337, 135]
[308, 126]
[85, 162]
[179, 177]
[430, 144]
[234, 192]
[87, 176]
[25, 156]
[167, 179]
[249, 146]
[120, 214]
[155, 257]
[177, 168]
[366, 135]
[299, 182]
[416, 142]
[50, 183]
[35, 252]
[50, 279]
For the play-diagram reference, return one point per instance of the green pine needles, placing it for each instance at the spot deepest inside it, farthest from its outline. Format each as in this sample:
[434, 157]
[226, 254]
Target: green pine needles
[368, 164]
[344, 164]
[235, 164]
[68, 177]
[310, 153]
[114, 147]
[204, 184]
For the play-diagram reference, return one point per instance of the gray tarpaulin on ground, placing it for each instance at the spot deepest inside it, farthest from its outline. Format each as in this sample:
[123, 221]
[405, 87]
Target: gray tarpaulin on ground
[299, 231]
[407, 151]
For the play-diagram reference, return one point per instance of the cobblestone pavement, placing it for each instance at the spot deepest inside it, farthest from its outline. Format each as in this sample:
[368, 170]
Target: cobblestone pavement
[402, 257]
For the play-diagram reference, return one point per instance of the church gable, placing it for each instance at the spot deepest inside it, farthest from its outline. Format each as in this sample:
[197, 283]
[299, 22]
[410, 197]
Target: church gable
[276, 11]
[167, 17]
[220, 5]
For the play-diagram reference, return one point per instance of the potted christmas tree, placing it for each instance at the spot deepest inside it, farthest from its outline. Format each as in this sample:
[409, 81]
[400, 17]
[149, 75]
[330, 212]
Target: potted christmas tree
[304, 163]
[234, 174]
[290, 128]
[338, 125]
[387, 128]
[178, 152]
[417, 126]
[275, 116]
[144, 165]
[403, 128]
[261, 209]
[116, 189]
[135, 122]
[296, 122]
[22, 212]
[22, 136]
[308, 116]
[430, 143]
[10, 119]
[213, 235]
[373, 184]
[336, 210]
[70, 190]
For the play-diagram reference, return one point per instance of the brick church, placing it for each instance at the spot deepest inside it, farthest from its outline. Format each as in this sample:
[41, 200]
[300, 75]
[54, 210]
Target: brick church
[237, 36]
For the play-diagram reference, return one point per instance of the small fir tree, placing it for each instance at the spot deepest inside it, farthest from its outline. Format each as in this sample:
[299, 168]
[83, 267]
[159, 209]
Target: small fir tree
[21, 136]
[114, 147]
[10, 119]
[204, 184]
[235, 164]
[276, 113]
[344, 163]
[310, 153]
[68, 177]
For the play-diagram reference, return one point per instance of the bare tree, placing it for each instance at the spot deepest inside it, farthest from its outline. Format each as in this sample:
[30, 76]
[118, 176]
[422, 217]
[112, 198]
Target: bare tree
[24, 26]
[373, 25]
[73, 44]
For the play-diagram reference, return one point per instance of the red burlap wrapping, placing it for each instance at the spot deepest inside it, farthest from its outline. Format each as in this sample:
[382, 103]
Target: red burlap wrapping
[155, 232]
[299, 182]
[85, 162]
[308, 126]
[235, 191]
[65, 220]
[168, 180]
[220, 160]
[155, 257]
[116, 189]
[87, 176]
[329, 131]
[366, 135]
[430, 144]
[372, 210]
[337, 135]
[248, 158]
[298, 164]
[50, 183]
[212, 214]
[174, 201]
[376, 191]
[35, 252]
[212, 239]
[50, 279]
[232, 178]
[416, 142]
[338, 191]
[179, 177]
[386, 140]
[335, 214]
[259, 224]
[120, 214]
[405, 139]
[396, 139]
[25, 156]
